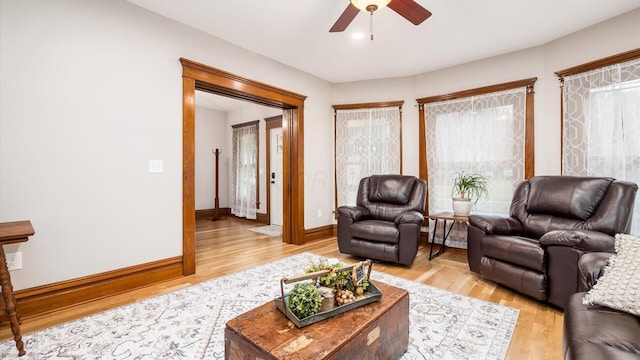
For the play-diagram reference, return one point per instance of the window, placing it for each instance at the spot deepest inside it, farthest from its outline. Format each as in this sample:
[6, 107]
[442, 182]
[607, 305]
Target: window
[488, 131]
[601, 121]
[368, 142]
[244, 174]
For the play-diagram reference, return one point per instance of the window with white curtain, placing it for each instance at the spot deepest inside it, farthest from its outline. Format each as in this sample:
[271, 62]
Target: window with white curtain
[481, 134]
[480, 131]
[244, 172]
[368, 142]
[601, 125]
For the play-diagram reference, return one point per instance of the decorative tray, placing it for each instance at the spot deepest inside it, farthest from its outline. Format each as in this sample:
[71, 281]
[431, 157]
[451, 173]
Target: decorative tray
[371, 294]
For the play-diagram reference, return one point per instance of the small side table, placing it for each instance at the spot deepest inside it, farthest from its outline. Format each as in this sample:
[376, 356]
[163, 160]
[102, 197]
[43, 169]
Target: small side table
[444, 216]
[12, 232]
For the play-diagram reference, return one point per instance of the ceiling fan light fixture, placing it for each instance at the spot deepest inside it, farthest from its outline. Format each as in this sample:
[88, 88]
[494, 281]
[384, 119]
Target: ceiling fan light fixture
[370, 5]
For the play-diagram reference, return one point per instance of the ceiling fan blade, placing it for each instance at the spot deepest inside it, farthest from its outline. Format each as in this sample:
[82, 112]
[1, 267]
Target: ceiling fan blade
[410, 10]
[345, 19]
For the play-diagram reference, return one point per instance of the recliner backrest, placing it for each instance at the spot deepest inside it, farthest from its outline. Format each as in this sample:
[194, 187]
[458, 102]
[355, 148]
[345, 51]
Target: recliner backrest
[387, 196]
[545, 203]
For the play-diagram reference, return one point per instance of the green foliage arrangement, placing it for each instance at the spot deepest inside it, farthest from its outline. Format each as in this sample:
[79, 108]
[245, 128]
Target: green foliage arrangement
[471, 186]
[330, 280]
[304, 300]
[336, 279]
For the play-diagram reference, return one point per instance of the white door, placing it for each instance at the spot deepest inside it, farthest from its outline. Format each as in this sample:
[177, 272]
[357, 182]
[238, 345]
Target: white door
[275, 176]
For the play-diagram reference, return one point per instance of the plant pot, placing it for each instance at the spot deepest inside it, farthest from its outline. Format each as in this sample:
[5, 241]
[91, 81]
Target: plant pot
[328, 299]
[461, 206]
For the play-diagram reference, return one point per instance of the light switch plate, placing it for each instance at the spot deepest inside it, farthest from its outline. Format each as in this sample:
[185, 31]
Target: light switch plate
[156, 166]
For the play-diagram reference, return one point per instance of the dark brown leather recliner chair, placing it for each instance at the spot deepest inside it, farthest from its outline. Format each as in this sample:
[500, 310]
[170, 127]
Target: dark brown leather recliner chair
[594, 331]
[553, 221]
[385, 223]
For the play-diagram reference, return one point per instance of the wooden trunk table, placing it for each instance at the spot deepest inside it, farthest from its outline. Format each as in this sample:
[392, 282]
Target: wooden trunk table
[379, 330]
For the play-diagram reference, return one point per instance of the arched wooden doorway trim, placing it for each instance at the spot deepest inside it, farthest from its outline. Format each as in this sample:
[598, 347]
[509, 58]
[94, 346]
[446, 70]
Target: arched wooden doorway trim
[202, 77]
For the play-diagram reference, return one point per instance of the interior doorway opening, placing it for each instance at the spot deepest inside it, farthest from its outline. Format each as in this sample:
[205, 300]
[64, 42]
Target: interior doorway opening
[274, 158]
[197, 76]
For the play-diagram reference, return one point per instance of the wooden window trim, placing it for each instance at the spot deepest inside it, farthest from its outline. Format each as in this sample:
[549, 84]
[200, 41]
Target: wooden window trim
[370, 105]
[249, 123]
[600, 63]
[479, 91]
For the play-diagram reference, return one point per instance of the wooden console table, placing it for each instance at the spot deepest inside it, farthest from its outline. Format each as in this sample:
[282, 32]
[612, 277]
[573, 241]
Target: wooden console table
[12, 232]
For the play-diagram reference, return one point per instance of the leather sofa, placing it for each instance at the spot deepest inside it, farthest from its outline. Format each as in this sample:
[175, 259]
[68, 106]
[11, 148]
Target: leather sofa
[593, 331]
[553, 221]
[385, 223]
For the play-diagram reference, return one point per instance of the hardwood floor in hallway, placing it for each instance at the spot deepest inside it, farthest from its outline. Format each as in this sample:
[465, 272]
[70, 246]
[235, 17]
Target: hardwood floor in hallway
[227, 246]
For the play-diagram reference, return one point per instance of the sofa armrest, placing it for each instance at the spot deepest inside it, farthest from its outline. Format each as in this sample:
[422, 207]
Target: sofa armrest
[591, 267]
[492, 224]
[355, 213]
[583, 240]
[410, 217]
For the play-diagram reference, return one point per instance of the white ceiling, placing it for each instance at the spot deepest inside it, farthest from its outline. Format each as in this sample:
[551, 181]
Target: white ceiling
[296, 32]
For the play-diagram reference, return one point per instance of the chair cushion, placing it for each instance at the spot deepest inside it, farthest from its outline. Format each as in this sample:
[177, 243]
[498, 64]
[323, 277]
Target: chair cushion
[392, 189]
[566, 196]
[532, 283]
[375, 250]
[521, 251]
[376, 230]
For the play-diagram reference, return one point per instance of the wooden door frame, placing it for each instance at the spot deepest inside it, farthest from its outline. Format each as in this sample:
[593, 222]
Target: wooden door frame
[273, 122]
[205, 78]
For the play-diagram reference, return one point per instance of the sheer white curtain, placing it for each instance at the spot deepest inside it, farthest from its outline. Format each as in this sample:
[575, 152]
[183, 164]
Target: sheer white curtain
[367, 143]
[482, 134]
[601, 125]
[244, 171]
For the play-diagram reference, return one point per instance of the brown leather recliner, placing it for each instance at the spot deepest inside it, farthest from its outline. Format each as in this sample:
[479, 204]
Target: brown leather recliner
[553, 221]
[594, 331]
[385, 223]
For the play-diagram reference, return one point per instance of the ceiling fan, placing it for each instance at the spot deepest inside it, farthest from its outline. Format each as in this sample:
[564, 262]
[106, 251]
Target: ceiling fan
[408, 9]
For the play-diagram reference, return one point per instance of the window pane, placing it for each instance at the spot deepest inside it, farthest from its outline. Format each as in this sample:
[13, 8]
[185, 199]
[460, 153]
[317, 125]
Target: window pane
[244, 171]
[601, 125]
[367, 143]
[482, 134]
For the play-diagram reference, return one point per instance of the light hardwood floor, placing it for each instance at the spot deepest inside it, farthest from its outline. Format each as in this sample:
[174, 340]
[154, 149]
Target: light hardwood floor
[226, 246]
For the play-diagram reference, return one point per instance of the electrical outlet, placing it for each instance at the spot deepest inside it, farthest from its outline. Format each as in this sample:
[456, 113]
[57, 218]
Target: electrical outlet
[14, 260]
[156, 166]
[319, 212]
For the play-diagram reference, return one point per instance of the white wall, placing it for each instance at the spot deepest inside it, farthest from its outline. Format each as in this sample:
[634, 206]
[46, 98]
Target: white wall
[210, 134]
[90, 92]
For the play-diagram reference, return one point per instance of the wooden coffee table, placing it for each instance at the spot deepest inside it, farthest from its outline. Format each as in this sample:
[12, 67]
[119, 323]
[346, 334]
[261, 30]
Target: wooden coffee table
[379, 330]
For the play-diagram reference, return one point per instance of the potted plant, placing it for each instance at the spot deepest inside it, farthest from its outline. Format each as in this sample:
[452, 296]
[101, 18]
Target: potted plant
[466, 191]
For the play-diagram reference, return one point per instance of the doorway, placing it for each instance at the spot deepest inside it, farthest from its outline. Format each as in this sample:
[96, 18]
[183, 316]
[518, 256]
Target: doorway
[274, 150]
[202, 77]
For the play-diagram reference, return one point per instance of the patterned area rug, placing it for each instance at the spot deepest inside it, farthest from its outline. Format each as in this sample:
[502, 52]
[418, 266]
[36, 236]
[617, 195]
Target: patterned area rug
[189, 323]
[271, 230]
